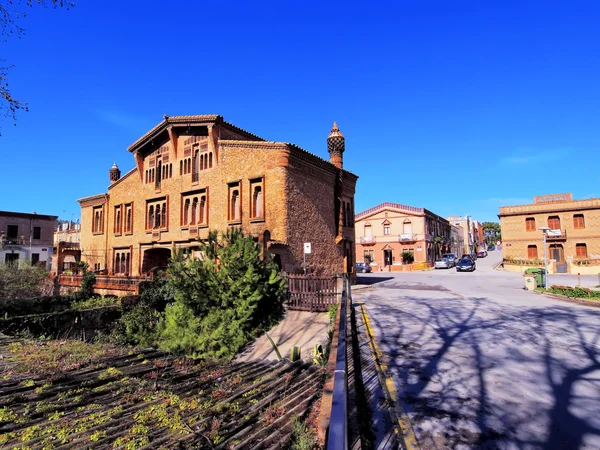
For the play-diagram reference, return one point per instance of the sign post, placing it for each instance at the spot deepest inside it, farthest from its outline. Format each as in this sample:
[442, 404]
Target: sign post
[307, 251]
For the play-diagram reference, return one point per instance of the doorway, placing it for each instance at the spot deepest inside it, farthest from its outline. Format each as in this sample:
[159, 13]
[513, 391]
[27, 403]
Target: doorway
[155, 258]
[388, 257]
[557, 253]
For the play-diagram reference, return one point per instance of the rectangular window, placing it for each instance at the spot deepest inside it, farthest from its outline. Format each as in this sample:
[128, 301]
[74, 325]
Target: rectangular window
[156, 214]
[12, 231]
[122, 262]
[578, 221]
[194, 208]
[369, 255]
[118, 220]
[581, 251]
[98, 219]
[532, 252]
[11, 258]
[129, 218]
[530, 224]
[234, 204]
[35, 258]
[37, 232]
[257, 199]
[554, 223]
[386, 229]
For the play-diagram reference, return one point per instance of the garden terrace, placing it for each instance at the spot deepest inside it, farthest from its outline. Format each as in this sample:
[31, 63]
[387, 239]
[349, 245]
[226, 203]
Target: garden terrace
[73, 395]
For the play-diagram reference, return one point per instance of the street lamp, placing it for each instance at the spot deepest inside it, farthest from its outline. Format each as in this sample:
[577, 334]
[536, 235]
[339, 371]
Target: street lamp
[544, 230]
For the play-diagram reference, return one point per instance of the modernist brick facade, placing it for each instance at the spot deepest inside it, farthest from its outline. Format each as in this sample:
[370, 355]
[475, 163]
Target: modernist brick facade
[385, 231]
[26, 237]
[199, 173]
[573, 243]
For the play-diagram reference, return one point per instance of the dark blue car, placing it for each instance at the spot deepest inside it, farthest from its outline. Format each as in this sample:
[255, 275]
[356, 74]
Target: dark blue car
[465, 265]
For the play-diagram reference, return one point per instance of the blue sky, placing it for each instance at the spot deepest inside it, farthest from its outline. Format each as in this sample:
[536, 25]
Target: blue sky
[444, 105]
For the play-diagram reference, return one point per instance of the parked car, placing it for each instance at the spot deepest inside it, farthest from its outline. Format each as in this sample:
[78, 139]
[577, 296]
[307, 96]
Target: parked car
[443, 263]
[363, 267]
[481, 254]
[469, 255]
[491, 248]
[452, 257]
[465, 265]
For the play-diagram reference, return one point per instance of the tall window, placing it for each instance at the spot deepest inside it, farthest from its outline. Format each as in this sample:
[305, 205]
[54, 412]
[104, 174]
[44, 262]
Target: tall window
[349, 215]
[156, 215]
[257, 200]
[578, 221]
[202, 210]
[530, 224]
[532, 252]
[186, 218]
[234, 204]
[581, 251]
[129, 218]
[117, 227]
[386, 229]
[37, 232]
[97, 220]
[554, 223]
[194, 211]
[369, 255]
[122, 264]
[194, 207]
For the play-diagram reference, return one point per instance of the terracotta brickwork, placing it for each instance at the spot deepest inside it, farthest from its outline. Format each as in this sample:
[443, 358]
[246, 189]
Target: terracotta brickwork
[385, 231]
[199, 173]
[574, 238]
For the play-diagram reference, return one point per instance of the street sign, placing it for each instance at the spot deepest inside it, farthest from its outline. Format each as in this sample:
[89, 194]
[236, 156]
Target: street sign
[307, 248]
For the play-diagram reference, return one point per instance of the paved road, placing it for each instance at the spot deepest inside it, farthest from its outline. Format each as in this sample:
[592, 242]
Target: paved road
[481, 363]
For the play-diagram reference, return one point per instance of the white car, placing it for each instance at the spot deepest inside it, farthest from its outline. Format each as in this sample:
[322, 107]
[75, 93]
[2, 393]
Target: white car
[443, 263]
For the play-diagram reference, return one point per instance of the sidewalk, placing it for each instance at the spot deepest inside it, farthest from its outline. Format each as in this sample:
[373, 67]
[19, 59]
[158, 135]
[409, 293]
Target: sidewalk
[298, 329]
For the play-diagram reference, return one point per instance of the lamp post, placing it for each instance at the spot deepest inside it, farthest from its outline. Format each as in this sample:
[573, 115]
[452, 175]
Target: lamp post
[544, 230]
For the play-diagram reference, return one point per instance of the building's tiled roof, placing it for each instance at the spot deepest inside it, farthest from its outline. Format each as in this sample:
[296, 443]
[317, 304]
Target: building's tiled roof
[387, 205]
[187, 120]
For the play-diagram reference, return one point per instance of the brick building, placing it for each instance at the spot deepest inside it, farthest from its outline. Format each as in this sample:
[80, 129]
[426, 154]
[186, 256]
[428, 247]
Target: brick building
[572, 243]
[26, 237]
[193, 174]
[387, 230]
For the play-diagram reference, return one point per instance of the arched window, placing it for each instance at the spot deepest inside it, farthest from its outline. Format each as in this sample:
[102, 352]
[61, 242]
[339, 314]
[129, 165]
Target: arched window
[171, 170]
[235, 205]
[210, 160]
[150, 223]
[181, 167]
[186, 212]
[122, 262]
[157, 217]
[127, 271]
[163, 221]
[194, 212]
[257, 201]
[349, 217]
[117, 263]
[146, 177]
[118, 221]
[202, 213]
[128, 220]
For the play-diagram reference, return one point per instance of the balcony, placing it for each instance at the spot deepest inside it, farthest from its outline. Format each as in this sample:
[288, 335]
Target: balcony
[556, 235]
[407, 238]
[10, 240]
[368, 240]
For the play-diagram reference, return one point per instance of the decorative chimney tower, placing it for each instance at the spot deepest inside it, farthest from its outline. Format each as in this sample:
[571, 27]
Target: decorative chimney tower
[336, 144]
[114, 173]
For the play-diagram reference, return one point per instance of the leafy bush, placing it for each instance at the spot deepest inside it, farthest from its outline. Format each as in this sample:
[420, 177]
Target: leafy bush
[408, 257]
[95, 302]
[302, 438]
[21, 282]
[223, 300]
[575, 292]
[138, 323]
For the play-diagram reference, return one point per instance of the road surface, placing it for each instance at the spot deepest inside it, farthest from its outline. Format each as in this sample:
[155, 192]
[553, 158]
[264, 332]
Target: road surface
[481, 363]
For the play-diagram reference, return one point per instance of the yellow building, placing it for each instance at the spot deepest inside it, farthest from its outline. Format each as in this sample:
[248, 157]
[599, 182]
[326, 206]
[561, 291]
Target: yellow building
[199, 173]
[572, 240]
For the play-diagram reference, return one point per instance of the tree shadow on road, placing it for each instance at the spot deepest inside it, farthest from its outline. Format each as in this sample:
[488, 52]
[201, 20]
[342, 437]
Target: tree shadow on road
[473, 373]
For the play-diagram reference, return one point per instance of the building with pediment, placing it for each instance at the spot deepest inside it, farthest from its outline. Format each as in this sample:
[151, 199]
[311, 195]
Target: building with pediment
[385, 231]
[193, 174]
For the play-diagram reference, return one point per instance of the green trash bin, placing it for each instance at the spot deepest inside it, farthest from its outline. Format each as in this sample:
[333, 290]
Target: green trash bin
[539, 276]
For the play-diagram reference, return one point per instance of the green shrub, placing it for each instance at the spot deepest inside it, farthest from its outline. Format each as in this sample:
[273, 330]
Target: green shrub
[302, 438]
[21, 282]
[408, 257]
[95, 302]
[574, 292]
[223, 300]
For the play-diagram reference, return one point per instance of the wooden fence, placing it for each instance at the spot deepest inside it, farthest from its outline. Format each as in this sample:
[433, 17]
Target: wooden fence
[312, 293]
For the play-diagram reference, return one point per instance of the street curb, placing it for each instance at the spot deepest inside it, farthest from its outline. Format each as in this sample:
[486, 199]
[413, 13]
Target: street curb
[404, 429]
[577, 301]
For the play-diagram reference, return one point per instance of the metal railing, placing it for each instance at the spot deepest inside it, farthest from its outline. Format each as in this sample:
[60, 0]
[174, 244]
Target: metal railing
[368, 240]
[407, 237]
[5, 240]
[338, 424]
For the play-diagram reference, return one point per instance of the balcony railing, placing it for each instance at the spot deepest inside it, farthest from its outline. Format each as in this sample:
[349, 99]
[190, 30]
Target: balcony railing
[407, 237]
[5, 240]
[556, 235]
[368, 240]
